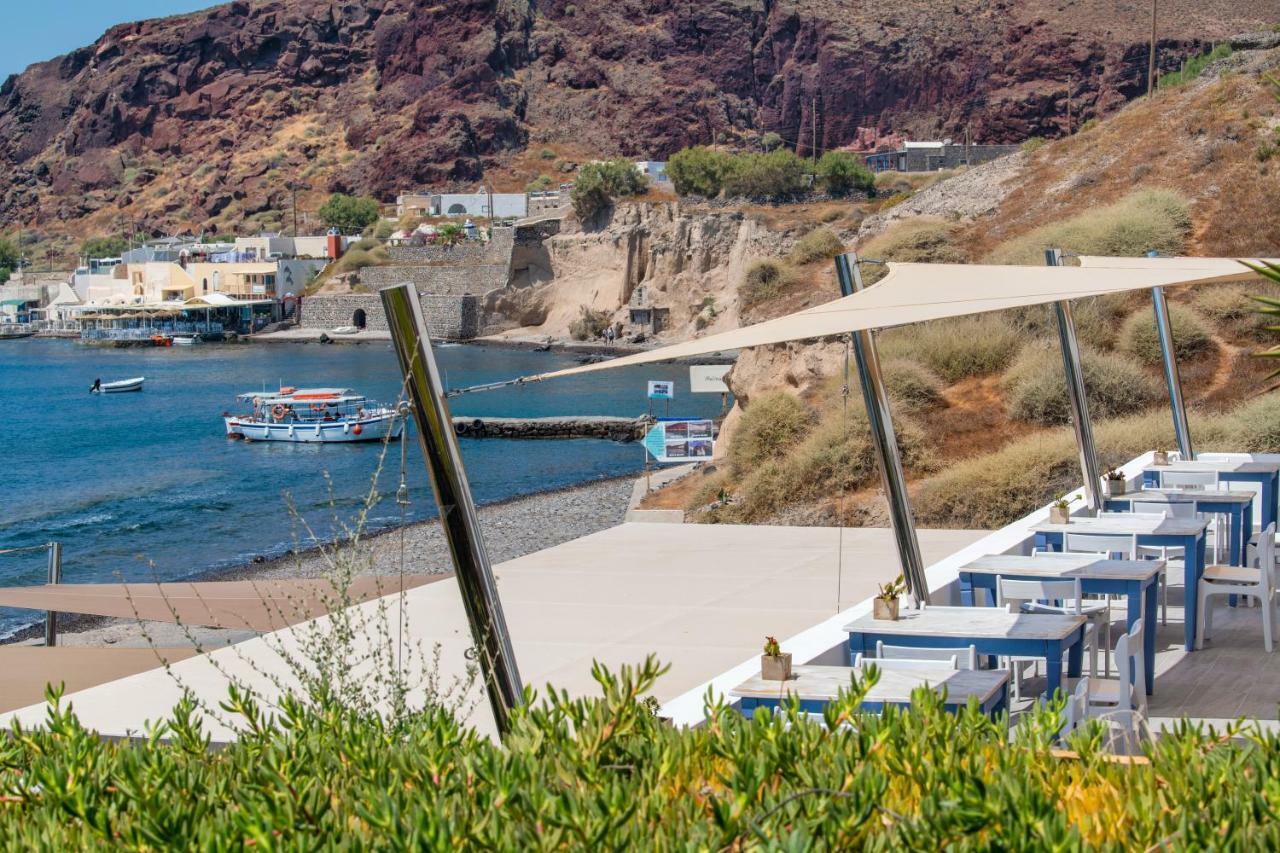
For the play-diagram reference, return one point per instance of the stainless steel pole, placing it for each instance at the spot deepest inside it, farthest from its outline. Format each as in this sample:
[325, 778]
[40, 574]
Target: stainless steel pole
[55, 576]
[1181, 430]
[453, 499]
[1076, 392]
[885, 440]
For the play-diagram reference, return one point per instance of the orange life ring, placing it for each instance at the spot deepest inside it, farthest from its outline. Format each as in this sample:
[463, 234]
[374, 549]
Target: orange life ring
[278, 411]
[317, 407]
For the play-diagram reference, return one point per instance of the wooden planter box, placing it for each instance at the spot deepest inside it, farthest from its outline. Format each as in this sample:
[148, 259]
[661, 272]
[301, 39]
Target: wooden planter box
[1059, 515]
[886, 610]
[1113, 488]
[776, 667]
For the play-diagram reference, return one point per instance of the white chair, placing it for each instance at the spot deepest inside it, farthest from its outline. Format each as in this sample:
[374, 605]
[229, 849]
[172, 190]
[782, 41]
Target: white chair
[1124, 544]
[1076, 711]
[1188, 479]
[906, 664]
[1169, 509]
[1242, 580]
[1029, 597]
[965, 658]
[1128, 690]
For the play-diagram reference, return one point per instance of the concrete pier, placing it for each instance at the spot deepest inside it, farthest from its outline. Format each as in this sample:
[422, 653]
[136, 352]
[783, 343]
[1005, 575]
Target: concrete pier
[581, 426]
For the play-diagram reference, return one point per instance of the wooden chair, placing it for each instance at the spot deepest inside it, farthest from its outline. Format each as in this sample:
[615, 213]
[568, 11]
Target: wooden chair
[1243, 580]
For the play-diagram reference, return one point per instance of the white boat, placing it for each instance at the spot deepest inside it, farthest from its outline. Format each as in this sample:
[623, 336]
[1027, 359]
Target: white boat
[119, 387]
[308, 415]
[185, 340]
[13, 331]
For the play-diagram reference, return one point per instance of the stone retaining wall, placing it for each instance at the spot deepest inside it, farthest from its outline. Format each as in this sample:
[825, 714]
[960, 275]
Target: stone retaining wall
[496, 251]
[451, 281]
[450, 318]
[602, 426]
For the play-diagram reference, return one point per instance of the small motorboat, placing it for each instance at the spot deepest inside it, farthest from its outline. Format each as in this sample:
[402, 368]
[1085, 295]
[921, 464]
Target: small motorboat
[118, 387]
[185, 340]
[306, 415]
[14, 331]
[345, 330]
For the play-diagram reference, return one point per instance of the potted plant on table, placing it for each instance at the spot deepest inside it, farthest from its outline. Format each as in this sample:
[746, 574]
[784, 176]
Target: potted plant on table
[1060, 510]
[885, 604]
[1160, 457]
[775, 665]
[1113, 483]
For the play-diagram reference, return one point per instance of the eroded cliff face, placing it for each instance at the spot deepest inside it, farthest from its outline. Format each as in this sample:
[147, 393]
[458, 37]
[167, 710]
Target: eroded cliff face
[202, 120]
[685, 260]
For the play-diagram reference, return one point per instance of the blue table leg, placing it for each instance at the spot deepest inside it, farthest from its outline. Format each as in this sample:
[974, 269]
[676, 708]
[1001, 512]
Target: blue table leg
[1237, 526]
[1149, 633]
[1270, 490]
[1053, 670]
[966, 590]
[1193, 568]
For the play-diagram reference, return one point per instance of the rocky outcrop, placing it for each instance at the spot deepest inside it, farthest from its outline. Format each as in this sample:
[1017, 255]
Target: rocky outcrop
[202, 120]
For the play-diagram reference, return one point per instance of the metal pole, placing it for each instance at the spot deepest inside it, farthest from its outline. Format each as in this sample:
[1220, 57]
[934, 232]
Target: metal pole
[1181, 430]
[885, 439]
[1076, 392]
[453, 499]
[55, 576]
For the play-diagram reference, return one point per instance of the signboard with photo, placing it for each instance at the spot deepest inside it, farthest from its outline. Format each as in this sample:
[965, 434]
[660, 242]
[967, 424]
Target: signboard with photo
[680, 440]
[660, 389]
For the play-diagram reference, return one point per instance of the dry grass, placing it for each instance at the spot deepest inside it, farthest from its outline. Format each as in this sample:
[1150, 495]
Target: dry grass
[1192, 335]
[820, 244]
[919, 240]
[1036, 390]
[955, 349]
[771, 425]
[764, 281]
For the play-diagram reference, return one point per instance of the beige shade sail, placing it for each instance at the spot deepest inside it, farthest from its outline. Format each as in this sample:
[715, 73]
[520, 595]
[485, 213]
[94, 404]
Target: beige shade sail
[913, 293]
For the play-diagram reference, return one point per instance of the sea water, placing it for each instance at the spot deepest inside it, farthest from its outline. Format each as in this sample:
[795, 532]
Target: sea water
[146, 485]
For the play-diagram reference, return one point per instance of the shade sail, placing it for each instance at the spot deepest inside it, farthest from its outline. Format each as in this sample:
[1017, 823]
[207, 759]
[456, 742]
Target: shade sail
[913, 293]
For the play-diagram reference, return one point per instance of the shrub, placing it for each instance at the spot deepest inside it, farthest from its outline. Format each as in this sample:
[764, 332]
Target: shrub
[1255, 426]
[96, 247]
[843, 173]
[1193, 67]
[1230, 308]
[764, 280]
[771, 424]
[383, 229]
[1034, 143]
[599, 184]
[818, 245]
[1191, 335]
[957, 348]
[1140, 222]
[547, 154]
[912, 384]
[589, 325]
[349, 213]
[358, 258]
[539, 184]
[1035, 386]
[770, 141]
[777, 174]
[1097, 319]
[699, 171]
[912, 241]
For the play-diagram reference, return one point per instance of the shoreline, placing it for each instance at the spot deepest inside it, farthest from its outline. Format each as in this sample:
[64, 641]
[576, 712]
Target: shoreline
[512, 527]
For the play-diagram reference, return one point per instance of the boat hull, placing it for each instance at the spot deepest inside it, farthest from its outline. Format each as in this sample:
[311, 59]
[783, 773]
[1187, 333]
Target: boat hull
[122, 387]
[374, 428]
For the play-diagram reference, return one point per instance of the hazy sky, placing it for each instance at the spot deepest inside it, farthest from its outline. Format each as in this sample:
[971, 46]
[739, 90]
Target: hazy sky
[34, 31]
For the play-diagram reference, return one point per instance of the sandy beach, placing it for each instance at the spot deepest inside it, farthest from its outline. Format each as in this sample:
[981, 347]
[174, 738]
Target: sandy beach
[511, 528]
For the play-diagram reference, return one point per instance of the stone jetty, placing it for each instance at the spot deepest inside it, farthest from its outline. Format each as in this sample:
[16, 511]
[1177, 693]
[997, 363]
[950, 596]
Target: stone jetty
[579, 426]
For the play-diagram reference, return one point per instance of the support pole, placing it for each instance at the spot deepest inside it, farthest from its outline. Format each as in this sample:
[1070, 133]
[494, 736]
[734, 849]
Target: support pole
[1076, 393]
[885, 440]
[55, 576]
[1181, 430]
[452, 492]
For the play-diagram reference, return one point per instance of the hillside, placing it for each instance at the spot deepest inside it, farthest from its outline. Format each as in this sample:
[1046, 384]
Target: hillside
[203, 121]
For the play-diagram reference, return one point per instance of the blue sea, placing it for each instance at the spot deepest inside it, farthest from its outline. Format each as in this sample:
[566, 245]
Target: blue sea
[146, 485]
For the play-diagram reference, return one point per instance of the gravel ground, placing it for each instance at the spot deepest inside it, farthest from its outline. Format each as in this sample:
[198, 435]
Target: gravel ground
[511, 529]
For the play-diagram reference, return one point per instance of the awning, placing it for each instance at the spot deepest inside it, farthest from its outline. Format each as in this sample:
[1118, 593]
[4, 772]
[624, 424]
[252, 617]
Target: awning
[914, 293]
[221, 300]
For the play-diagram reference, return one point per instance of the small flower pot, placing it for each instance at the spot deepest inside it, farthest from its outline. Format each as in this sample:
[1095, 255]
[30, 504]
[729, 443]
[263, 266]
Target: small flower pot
[776, 667]
[1059, 515]
[1113, 488]
[882, 609]
[1161, 457]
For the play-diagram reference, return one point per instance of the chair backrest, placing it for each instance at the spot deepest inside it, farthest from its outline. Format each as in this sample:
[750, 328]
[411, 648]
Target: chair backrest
[1182, 479]
[1267, 560]
[965, 658]
[1169, 509]
[1066, 590]
[1130, 669]
[1077, 710]
[1125, 544]
[906, 664]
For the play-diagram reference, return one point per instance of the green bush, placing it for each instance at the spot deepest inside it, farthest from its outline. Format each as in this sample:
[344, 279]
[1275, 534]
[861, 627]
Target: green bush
[349, 213]
[699, 171]
[771, 424]
[1035, 386]
[604, 772]
[597, 185]
[1032, 144]
[539, 184]
[1193, 67]
[843, 173]
[1191, 335]
[100, 247]
[777, 174]
[589, 325]
[547, 154]
[1140, 222]
[770, 141]
[357, 258]
[383, 229]
[923, 241]
[764, 280]
[821, 244]
[957, 348]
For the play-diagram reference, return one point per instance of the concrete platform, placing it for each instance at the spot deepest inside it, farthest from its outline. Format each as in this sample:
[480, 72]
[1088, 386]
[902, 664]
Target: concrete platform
[700, 597]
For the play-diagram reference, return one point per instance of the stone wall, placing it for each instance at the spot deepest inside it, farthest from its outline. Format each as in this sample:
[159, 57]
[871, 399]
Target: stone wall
[448, 317]
[496, 251]
[446, 281]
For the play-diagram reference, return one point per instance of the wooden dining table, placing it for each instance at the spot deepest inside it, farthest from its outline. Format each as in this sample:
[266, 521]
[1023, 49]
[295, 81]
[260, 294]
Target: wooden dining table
[1150, 529]
[992, 631]
[1137, 580]
[1266, 474]
[815, 686]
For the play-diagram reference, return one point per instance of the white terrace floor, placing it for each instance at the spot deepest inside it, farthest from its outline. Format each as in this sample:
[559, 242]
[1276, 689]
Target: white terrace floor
[701, 597]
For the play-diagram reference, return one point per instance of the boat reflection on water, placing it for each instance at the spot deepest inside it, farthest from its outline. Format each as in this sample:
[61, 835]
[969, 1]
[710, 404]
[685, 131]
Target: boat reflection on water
[309, 415]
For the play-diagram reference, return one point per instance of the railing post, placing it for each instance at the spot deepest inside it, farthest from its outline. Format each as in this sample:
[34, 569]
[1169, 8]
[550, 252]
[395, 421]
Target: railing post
[1076, 392]
[55, 576]
[885, 440]
[452, 492]
[1164, 329]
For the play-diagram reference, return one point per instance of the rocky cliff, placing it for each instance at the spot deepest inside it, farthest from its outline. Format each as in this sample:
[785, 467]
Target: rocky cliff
[207, 120]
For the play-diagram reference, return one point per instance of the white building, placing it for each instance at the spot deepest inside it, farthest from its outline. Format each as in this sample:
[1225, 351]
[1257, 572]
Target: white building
[654, 171]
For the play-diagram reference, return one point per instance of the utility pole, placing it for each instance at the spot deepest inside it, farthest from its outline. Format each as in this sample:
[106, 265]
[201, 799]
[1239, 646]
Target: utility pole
[813, 140]
[293, 190]
[1071, 84]
[1151, 53]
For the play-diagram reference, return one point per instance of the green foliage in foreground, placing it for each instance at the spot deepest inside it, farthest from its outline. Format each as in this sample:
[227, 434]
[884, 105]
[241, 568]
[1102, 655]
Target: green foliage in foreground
[605, 773]
[1270, 306]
